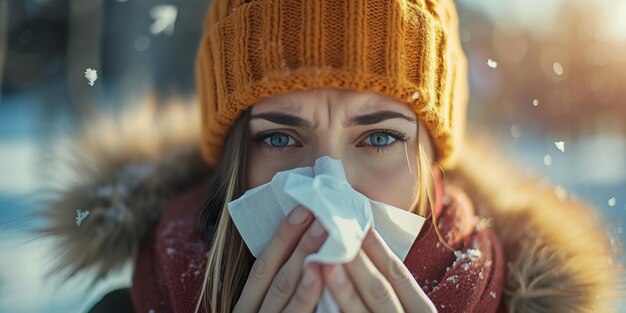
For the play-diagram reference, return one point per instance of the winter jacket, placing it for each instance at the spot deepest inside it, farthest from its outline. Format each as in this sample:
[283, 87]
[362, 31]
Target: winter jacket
[135, 174]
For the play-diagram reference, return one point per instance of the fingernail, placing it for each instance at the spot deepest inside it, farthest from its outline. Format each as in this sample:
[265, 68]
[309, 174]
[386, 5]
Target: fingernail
[316, 229]
[309, 276]
[298, 215]
[339, 275]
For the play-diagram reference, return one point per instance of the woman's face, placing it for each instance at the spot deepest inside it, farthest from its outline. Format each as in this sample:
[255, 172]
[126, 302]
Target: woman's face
[374, 136]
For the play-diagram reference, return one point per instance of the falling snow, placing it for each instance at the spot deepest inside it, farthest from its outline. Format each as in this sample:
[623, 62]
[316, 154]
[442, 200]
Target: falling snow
[80, 216]
[493, 294]
[547, 160]
[164, 16]
[560, 145]
[557, 68]
[561, 193]
[91, 76]
[612, 202]
[515, 131]
[142, 43]
[491, 63]
[535, 102]
[416, 95]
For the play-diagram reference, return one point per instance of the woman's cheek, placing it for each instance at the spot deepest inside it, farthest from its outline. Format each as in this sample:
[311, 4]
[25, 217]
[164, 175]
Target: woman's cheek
[263, 164]
[393, 183]
[254, 178]
[259, 168]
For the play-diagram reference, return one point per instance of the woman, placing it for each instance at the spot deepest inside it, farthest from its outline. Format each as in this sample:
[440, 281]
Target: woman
[380, 85]
[377, 139]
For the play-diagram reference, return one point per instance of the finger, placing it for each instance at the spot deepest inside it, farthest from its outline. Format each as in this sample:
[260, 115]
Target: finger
[308, 293]
[411, 296]
[342, 289]
[284, 284]
[278, 249]
[372, 286]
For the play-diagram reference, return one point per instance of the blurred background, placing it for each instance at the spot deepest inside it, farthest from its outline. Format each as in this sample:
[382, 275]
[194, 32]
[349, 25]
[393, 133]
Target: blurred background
[541, 72]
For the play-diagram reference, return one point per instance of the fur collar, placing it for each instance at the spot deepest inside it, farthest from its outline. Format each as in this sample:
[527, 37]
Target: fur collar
[113, 180]
[127, 169]
[558, 255]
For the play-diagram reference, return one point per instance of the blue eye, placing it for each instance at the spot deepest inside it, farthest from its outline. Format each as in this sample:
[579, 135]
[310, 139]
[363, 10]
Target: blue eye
[380, 139]
[279, 140]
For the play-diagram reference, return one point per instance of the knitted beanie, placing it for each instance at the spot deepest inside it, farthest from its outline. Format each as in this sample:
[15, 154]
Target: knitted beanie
[408, 50]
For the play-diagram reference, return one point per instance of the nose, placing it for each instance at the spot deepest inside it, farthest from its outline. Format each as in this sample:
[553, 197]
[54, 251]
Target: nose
[328, 148]
[337, 152]
[322, 149]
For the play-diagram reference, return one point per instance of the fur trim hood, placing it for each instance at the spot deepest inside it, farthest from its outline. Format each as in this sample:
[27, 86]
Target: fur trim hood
[123, 171]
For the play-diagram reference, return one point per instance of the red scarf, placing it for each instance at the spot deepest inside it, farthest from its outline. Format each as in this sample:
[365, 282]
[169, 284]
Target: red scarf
[170, 267]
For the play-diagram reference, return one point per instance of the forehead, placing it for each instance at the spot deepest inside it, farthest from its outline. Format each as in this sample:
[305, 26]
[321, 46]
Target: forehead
[304, 102]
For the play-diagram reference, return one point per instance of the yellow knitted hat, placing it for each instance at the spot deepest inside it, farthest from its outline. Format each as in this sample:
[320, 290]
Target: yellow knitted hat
[408, 50]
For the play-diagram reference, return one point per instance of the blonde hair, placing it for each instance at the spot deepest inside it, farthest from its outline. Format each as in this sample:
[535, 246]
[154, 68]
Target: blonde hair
[230, 261]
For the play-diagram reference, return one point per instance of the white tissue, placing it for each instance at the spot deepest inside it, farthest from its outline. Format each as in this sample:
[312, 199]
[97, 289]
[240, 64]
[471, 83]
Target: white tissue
[345, 213]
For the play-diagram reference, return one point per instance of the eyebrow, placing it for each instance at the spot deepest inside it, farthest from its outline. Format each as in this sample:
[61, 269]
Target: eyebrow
[283, 119]
[377, 117]
[366, 119]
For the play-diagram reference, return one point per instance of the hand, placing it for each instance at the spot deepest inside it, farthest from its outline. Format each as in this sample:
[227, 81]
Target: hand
[275, 282]
[376, 280]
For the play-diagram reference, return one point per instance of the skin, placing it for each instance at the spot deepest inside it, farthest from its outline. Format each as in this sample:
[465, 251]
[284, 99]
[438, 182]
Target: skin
[379, 157]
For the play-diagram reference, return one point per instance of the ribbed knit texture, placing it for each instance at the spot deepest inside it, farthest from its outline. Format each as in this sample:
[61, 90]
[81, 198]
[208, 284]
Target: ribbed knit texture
[407, 50]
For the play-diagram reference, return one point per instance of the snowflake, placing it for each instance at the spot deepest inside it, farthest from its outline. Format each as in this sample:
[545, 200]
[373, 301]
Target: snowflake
[612, 201]
[416, 95]
[91, 76]
[80, 216]
[471, 254]
[547, 160]
[164, 19]
[561, 193]
[515, 131]
[557, 68]
[560, 145]
[491, 63]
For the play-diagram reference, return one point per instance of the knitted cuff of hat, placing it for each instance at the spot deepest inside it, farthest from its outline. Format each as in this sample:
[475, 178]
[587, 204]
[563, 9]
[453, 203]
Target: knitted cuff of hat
[408, 50]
